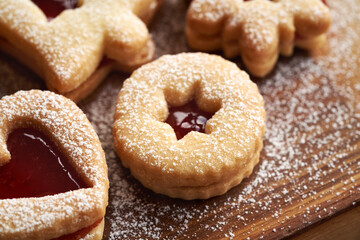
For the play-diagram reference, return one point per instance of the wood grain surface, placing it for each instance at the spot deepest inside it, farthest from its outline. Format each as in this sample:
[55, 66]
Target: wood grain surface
[307, 184]
[342, 227]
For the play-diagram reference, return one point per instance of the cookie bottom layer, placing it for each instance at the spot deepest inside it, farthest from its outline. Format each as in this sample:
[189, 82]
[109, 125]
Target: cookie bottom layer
[214, 189]
[93, 81]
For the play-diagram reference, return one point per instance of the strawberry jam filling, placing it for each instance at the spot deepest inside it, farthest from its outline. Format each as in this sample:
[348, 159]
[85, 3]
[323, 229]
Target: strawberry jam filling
[105, 61]
[187, 118]
[299, 37]
[79, 234]
[37, 167]
[52, 8]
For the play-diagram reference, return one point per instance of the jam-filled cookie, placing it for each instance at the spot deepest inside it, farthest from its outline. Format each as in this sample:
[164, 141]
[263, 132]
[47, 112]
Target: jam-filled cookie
[190, 125]
[53, 173]
[74, 49]
[257, 30]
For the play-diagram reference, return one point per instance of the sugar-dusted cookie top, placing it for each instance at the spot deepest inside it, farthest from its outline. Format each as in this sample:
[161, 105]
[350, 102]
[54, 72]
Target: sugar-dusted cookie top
[257, 30]
[41, 213]
[200, 164]
[67, 50]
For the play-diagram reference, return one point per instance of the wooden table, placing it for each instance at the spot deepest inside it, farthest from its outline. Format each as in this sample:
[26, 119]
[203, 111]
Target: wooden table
[309, 169]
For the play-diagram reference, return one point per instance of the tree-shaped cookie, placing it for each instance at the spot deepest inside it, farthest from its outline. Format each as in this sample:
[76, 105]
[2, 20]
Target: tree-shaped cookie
[257, 30]
[67, 51]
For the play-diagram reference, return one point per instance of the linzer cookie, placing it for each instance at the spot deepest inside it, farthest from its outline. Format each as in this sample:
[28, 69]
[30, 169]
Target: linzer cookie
[257, 30]
[53, 173]
[189, 126]
[74, 46]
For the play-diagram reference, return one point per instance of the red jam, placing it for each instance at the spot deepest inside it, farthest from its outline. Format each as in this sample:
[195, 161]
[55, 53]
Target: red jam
[105, 61]
[37, 168]
[52, 8]
[79, 234]
[187, 118]
[299, 37]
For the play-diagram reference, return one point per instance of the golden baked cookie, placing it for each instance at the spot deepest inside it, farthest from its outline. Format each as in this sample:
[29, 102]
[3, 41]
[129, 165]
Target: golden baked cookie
[74, 51]
[53, 173]
[257, 30]
[198, 165]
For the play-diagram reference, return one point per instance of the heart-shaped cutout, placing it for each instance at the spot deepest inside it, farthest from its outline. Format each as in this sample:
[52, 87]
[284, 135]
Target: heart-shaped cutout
[37, 167]
[59, 127]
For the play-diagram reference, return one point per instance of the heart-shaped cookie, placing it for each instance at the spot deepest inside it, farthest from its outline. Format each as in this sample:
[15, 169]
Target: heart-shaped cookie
[53, 170]
[67, 52]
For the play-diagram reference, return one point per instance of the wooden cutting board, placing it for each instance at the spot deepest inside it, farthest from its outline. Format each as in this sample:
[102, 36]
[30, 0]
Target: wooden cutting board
[309, 169]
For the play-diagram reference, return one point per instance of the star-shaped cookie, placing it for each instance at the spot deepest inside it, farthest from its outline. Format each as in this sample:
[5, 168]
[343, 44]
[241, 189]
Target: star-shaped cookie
[257, 30]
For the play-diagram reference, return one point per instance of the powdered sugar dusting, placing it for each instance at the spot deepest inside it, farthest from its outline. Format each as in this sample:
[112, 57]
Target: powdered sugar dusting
[68, 49]
[309, 163]
[72, 132]
[257, 24]
[256, 30]
[67, 124]
[340, 56]
[195, 166]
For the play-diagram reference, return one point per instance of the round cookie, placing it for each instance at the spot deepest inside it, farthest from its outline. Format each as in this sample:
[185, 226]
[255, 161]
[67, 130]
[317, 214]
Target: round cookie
[198, 165]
